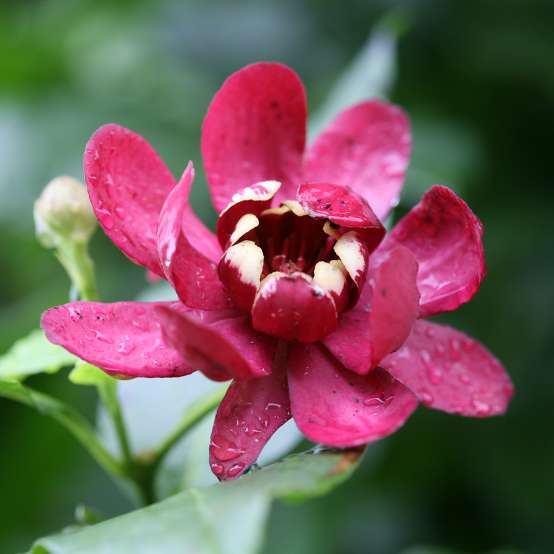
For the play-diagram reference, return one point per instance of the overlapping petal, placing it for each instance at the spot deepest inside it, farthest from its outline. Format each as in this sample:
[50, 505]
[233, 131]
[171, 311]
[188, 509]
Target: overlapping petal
[246, 419]
[124, 338]
[449, 371]
[336, 407]
[445, 236]
[366, 147]
[127, 184]
[220, 342]
[383, 317]
[255, 131]
[189, 251]
[291, 307]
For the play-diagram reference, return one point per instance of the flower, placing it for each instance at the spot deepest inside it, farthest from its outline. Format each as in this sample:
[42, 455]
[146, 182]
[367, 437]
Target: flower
[300, 299]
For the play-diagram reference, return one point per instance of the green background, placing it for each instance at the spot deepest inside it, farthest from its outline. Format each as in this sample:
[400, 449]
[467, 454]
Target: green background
[478, 82]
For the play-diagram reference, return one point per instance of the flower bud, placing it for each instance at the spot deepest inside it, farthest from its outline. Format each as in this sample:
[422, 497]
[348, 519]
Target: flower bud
[63, 213]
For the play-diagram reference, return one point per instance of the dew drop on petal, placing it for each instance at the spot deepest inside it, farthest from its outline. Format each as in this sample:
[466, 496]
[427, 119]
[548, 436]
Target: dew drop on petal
[235, 469]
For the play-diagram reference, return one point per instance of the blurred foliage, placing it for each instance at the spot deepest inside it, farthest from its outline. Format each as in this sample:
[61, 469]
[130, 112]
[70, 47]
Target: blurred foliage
[477, 80]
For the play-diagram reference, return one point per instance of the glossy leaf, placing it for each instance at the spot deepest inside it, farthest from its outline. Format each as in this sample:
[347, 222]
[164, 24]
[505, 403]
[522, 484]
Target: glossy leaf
[223, 519]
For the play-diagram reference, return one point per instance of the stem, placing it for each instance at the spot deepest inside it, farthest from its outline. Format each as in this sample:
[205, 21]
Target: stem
[193, 415]
[108, 395]
[77, 262]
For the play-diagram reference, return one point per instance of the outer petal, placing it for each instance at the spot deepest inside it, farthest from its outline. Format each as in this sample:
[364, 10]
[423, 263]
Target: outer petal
[292, 308]
[254, 130]
[446, 239]
[451, 372]
[124, 338]
[383, 317]
[127, 184]
[246, 419]
[366, 147]
[335, 407]
[219, 341]
[189, 251]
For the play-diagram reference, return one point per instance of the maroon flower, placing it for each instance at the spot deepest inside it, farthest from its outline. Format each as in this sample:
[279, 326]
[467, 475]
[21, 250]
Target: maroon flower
[299, 298]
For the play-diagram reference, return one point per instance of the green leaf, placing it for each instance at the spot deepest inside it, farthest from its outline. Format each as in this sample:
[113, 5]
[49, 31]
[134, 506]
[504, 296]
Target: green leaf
[371, 74]
[227, 518]
[33, 354]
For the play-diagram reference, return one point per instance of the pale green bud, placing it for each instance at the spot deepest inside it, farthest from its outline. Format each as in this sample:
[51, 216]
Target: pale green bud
[63, 213]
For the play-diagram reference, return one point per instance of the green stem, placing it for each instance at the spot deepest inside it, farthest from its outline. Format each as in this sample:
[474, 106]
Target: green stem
[193, 415]
[77, 262]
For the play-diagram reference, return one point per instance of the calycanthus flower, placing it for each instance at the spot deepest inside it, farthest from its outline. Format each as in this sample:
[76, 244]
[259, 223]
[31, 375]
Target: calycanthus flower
[300, 299]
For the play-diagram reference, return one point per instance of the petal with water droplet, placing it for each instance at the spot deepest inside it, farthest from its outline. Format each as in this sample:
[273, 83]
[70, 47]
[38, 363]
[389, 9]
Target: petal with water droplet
[246, 419]
[451, 372]
[127, 184]
[255, 130]
[336, 407]
[123, 338]
[367, 147]
[445, 236]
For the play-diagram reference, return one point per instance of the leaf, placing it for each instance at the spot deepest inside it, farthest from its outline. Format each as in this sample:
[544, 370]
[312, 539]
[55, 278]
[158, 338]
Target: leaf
[371, 74]
[87, 374]
[227, 518]
[33, 354]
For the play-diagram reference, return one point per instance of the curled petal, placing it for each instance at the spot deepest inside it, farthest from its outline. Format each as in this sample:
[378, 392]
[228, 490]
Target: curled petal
[366, 147]
[383, 317]
[335, 407]
[124, 338]
[342, 207]
[353, 253]
[220, 342]
[252, 200]
[332, 277]
[446, 239]
[240, 270]
[291, 307]
[189, 251]
[449, 371]
[247, 417]
[254, 130]
[127, 184]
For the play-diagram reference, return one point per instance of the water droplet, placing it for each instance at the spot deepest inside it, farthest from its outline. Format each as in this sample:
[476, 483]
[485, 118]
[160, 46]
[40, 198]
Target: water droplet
[224, 450]
[435, 375]
[373, 402]
[482, 408]
[272, 406]
[126, 346]
[217, 469]
[426, 397]
[235, 470]
[74, 314]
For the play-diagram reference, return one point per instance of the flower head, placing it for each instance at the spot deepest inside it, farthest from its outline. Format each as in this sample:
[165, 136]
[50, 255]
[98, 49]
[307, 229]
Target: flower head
[299, 298]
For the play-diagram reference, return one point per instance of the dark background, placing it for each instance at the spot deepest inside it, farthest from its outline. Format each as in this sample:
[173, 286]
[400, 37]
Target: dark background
[477, 79]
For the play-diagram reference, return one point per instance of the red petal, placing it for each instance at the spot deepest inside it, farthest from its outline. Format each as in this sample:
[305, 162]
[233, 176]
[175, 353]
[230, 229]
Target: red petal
[451, 372]
[383, 317]
[124, 338]
[221, 341]
[338, 408]
[254, 131]
[127, 184]
[342, 207]
[250, 200]
[240, 270]
[446, 239]
[246, 419]
[292, 308]
[366, 147]
[189, 251]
